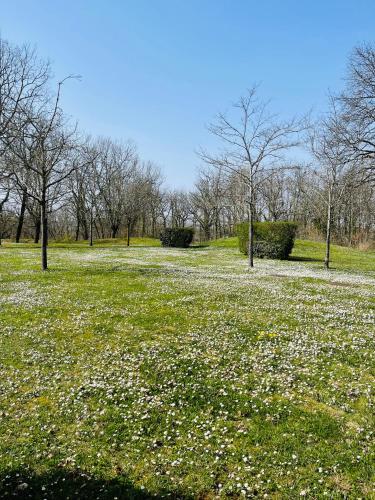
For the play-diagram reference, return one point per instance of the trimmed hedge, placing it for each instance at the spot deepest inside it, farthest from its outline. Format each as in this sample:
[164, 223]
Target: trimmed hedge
[273, 240]
[177, 237]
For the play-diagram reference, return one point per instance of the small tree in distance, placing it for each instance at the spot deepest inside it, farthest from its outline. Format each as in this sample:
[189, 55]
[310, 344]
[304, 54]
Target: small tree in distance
[336, 167]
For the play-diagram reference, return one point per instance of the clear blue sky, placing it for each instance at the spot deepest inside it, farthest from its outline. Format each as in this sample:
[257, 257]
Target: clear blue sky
[157, 71]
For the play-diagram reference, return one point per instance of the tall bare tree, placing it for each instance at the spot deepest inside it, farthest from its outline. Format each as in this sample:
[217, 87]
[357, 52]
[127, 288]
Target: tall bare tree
[254, 142]
[42, 156]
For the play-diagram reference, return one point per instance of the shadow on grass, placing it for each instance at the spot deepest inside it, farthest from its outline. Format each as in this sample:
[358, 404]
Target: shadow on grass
[60, 484]
[113, 246]
[196, 247]
[297, 258]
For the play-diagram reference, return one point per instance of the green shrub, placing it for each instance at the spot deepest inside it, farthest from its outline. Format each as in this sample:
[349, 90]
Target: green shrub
[273, 240]
[242, 231]
[177, 237]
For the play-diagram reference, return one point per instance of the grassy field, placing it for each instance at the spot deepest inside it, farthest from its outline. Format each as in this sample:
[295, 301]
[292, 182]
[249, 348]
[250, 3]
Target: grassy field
[147, 372]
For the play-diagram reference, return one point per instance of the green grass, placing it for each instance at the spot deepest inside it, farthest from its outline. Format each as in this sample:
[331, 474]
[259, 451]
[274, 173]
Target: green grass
[143, 371]
[231, 242]
[69, 243]
[342, 258]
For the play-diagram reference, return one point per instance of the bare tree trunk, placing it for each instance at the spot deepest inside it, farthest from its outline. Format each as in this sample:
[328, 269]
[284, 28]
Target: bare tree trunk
[97, 229]
[128, 235]
[85, 228]
[77, 229]
[251, 239]
[2, 203]
[351, 224]
[328, 234]
[251, 230]
[207, 232]
[37, 231]
[44, 231]
[21, 218]
[101, 226]
[91, 228]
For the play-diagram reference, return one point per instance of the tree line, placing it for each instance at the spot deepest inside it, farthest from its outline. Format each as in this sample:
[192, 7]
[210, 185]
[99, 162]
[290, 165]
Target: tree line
[56, 182]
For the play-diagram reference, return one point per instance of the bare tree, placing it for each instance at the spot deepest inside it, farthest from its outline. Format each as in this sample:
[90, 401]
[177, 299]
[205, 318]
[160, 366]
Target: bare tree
[113, 168]
[273, 194]
[357, 127]
[337, 168]
[41, 158]
[23, 78]
[207, 200]
[83, 191]
[180, 208]
[254, 141]
[153, 198]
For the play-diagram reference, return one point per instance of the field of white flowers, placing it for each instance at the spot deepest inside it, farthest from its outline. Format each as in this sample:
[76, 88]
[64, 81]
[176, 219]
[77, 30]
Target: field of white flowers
[150, 372]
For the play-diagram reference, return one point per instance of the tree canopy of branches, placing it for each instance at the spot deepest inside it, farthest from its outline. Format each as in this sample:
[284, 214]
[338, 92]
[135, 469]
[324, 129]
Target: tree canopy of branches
[357, 130]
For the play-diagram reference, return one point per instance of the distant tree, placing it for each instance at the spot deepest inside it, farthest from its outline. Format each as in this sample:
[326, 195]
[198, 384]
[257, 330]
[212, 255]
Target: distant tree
[83, 191]
[273, 193]
[150, 181]
[153, 197]
[114, 167]
[336, 166]
[180, 208]
[206, 201]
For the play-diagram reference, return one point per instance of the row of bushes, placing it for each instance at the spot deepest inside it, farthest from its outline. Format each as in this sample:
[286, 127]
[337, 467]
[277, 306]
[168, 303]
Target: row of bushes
[273, 240]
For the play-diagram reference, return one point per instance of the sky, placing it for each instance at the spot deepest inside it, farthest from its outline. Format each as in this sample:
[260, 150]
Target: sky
[158, 71]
